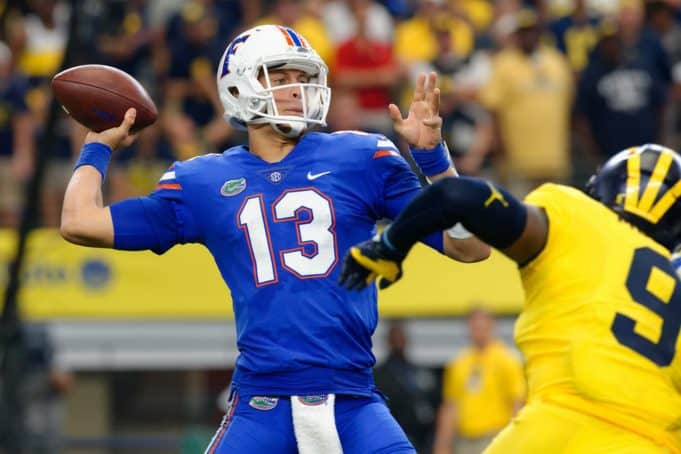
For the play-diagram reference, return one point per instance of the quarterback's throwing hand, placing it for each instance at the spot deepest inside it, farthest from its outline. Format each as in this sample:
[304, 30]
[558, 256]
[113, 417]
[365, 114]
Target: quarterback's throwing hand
[422, 127]
[119, 136]
[370, 260]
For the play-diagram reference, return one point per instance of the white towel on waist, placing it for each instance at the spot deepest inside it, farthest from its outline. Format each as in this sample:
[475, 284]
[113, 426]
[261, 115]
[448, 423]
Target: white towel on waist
[314, 423]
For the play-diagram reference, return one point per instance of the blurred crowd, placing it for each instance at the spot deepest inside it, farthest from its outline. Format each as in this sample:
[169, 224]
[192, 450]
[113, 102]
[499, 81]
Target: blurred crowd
[532, 90]
[461, 410]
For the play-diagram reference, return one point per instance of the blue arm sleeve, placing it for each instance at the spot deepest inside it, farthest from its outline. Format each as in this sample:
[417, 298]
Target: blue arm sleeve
[400, 186]
[152, 223]
[156, 222]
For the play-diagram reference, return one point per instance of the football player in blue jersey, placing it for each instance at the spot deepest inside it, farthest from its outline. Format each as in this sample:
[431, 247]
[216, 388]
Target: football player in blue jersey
[277, 216]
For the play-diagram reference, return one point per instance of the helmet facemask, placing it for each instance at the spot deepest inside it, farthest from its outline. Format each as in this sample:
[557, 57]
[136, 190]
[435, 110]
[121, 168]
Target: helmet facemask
[257, 103]
[314, 97]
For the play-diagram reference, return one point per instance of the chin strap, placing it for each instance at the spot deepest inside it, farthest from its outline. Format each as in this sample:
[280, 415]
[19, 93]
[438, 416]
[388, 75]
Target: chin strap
[290, 129]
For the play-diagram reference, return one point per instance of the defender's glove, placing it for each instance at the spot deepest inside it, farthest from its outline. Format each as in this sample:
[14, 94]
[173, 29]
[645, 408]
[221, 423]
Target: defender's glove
[369, 260]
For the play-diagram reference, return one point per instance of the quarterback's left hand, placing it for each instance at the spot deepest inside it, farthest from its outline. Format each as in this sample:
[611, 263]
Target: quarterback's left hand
[422, 127]
[369, 260]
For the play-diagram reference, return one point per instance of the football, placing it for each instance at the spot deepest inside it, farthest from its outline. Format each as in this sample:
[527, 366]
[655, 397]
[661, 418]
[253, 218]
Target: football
[97, 96]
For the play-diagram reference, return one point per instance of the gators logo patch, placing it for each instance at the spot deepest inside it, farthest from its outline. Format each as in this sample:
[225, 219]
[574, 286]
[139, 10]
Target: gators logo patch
[313, 401]
[263, 402]
[233, 187]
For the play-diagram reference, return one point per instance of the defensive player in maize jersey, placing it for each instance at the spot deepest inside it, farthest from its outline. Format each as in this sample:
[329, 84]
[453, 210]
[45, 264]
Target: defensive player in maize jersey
[277, 215]
[600, 327]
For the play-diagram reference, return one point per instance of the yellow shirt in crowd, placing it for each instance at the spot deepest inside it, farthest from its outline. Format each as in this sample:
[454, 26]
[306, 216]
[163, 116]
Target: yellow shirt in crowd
[484, 385]
[480, 13]
[416, 42]
[531, 96]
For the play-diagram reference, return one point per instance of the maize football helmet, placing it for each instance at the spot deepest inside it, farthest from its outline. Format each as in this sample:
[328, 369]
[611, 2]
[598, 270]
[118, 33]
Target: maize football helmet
[250, 56]
[643, 185]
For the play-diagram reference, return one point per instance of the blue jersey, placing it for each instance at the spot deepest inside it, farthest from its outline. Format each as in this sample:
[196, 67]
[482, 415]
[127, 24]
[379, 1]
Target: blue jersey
[277, 232]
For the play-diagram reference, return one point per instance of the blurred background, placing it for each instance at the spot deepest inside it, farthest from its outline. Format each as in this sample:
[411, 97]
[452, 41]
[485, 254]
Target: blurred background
[120, 352]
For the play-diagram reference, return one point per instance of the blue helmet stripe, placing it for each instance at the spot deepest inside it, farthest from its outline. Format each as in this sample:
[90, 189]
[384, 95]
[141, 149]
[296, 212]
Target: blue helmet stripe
[294, 37]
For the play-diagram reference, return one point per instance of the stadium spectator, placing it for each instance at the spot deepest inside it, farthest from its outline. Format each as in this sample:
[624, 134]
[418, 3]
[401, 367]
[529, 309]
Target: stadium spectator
[660, 16]
[367, 67]
[531, 84]
[576, 34]
[230, 15]
[17, 147]
[411, 390]
[478, 13]
[483, 387]
[415, 39]
[621, 94]
[342, 23]
[38, 39]
[126, 39]
[191, 117]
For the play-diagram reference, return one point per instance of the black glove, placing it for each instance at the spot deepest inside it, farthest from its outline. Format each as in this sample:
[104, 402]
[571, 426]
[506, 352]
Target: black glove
[368, 260]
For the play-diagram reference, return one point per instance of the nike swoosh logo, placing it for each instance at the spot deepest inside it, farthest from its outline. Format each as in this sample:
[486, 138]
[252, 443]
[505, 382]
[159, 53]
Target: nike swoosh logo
[313, 176]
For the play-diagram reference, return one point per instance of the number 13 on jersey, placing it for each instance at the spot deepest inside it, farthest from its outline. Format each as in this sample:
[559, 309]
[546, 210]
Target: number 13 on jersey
[315, 231]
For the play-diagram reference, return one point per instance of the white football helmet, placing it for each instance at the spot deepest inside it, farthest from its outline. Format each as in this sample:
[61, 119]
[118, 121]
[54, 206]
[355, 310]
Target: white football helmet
[252, 54]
